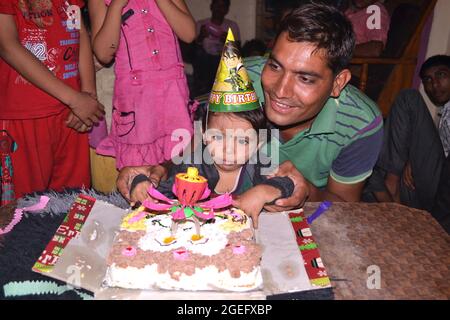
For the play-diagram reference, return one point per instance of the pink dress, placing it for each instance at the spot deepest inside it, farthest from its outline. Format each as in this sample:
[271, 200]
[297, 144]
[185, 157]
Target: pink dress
[150, 92]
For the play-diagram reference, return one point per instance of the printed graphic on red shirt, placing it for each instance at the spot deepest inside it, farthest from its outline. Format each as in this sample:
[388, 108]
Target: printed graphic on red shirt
[50, 30]
[35, 40]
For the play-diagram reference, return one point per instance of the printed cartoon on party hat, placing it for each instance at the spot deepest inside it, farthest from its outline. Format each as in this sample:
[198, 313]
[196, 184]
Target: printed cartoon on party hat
[232, 90]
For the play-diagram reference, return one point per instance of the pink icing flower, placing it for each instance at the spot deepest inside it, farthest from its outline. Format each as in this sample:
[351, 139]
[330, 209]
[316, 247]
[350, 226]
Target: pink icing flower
[129, 251]
[235, 215]
[180, 254]
[239, 249]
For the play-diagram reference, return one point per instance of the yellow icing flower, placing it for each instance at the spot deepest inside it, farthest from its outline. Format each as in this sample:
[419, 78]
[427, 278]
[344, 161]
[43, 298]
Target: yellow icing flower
[169, 240]
[138, 225]
[231, 225]
[196, 237]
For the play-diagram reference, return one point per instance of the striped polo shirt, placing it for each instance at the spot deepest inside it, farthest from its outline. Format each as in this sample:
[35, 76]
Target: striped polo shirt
[343, 142]
[254, 66]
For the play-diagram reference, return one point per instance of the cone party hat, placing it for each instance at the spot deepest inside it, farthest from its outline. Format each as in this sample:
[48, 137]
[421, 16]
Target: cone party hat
[232, 90]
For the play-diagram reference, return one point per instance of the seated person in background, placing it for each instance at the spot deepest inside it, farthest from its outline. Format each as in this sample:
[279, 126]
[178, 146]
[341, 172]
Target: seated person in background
[409, 168]
[211, 34]
[370, 36]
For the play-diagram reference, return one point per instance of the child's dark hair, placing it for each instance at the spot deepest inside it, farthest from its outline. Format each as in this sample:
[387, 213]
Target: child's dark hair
[256, 117]
[434, 61]
[254, 47]
[326, 27]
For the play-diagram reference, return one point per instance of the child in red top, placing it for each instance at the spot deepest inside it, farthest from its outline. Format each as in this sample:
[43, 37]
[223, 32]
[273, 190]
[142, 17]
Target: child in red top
[47, 94]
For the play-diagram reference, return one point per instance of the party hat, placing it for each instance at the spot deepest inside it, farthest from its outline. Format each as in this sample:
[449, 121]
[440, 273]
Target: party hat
[232, 90]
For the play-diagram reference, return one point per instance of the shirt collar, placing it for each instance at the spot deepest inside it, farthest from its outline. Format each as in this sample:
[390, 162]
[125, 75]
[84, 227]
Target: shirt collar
[447, 105]
[325, 121]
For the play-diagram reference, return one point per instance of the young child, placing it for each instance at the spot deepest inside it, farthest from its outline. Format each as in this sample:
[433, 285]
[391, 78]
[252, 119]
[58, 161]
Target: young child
[150, 92]
[47, 100]
[231, 164]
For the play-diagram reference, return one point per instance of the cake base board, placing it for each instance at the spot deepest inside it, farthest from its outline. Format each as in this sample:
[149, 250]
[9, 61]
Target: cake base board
[83, 261]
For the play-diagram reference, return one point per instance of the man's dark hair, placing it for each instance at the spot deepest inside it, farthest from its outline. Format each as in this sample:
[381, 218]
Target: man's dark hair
[326, 27]
[434, 61]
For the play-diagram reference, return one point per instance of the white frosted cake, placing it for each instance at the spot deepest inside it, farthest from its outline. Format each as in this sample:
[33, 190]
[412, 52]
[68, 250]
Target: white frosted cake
[146, 255]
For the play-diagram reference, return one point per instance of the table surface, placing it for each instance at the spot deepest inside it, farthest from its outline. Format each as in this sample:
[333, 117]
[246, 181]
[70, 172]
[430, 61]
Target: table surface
[360, 243]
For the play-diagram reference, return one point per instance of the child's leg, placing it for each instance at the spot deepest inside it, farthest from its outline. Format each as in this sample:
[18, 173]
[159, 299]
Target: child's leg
[71, 167]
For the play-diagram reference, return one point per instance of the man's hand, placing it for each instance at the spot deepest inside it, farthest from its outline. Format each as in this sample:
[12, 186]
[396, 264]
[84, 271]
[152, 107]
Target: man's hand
[75, 123]
[252, 201]
[127, 174]
[408, 176]
[301, 189]
[85, 107]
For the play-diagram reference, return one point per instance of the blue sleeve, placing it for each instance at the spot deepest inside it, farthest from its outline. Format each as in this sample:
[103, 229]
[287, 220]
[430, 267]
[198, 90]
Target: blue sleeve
[355, 162]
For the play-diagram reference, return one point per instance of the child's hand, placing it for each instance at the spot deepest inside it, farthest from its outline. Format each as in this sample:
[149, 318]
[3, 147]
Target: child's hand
[140, 192]
[253, 200]
[85, 107]
[75, 123]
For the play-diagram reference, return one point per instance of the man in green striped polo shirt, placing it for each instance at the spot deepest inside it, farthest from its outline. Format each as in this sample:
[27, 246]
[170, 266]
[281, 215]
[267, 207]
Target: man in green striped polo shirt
[330, 131]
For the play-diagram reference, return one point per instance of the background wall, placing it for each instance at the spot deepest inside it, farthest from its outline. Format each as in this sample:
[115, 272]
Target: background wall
[243, 12]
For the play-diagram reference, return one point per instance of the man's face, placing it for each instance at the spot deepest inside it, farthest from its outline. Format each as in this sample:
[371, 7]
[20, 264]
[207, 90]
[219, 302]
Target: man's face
[436, 81]
[297, 82]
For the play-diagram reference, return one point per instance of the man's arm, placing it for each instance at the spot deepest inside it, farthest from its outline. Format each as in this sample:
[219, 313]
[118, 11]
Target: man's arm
[27, 65]
[306, 191]
[349, 170]
[336, 191]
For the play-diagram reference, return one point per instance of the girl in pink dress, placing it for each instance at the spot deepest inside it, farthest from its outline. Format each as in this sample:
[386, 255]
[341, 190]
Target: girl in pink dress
[150, 93]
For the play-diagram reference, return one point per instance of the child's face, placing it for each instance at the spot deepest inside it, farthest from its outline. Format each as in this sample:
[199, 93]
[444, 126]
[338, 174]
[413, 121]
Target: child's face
[230, 140]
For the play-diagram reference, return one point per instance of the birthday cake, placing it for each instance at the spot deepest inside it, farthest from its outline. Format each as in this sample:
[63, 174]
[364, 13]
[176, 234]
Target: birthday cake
[186, 244]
